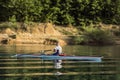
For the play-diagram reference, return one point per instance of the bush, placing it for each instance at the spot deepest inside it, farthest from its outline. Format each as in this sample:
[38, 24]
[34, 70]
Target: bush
[94, 36]
[98, 36]
[10, 25]
[79, 40]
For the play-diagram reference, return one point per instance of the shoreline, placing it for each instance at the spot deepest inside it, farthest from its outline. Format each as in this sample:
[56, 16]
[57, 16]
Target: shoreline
[41, 39]
[46, 33]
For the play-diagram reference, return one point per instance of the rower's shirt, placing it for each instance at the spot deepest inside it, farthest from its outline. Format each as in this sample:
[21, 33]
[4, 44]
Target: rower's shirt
[58, 48]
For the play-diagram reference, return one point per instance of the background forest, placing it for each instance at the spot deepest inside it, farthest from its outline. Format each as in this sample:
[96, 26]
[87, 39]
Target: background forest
[61, 12]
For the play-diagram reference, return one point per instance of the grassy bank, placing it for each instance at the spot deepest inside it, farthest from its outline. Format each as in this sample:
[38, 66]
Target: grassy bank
[97, 35]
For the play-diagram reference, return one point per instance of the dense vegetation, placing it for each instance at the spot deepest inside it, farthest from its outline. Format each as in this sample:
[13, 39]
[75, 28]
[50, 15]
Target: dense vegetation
[94, 36]
[63, 12]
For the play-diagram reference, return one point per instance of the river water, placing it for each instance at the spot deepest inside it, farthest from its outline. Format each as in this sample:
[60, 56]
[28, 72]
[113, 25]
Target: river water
[36, 69]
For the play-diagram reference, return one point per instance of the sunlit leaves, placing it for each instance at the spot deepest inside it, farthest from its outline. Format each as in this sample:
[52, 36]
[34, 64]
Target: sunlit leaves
[75, 12]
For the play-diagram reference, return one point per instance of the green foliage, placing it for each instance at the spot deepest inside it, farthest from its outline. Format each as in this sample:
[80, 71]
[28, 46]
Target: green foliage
[94, 36]
[98, 36]
[65, 12]
[12, 19]
[8, 25]
[79, 40]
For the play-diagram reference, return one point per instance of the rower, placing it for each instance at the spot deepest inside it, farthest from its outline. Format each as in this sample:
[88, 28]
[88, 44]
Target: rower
[57, 52]
[57, 49]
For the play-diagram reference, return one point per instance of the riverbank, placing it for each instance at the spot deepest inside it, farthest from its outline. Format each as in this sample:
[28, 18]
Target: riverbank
[38, 33]
[43, 33]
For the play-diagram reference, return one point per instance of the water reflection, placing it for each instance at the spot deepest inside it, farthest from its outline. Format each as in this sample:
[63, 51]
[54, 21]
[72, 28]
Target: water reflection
[23, 48]
[105, 51]
[25, 68]
[35, 69]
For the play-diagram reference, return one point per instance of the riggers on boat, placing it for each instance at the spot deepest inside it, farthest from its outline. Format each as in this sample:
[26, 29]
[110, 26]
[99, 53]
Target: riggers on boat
[54, 57]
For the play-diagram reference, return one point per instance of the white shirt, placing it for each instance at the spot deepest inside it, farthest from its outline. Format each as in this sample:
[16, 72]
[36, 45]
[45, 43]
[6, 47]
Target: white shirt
[59, 48]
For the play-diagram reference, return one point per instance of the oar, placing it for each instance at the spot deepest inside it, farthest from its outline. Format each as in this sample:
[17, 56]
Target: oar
[44, 51]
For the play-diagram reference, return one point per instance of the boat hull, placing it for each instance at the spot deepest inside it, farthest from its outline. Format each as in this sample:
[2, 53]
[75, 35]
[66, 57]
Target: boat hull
[52, 57]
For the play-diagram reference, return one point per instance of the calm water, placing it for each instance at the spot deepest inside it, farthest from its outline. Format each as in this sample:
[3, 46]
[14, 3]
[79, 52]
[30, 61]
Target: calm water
[35, 69]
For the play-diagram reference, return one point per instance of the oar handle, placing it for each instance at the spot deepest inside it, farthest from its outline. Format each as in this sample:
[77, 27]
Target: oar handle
[47, 50]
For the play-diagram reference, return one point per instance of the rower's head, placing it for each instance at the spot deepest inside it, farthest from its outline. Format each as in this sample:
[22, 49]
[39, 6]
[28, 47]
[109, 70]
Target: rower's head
[57, 43]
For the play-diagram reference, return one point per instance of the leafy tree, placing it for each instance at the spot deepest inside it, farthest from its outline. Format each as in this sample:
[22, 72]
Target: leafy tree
[63, 12]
